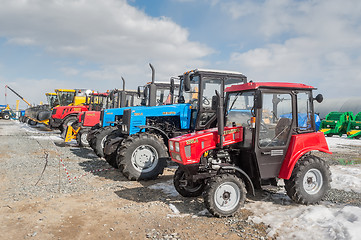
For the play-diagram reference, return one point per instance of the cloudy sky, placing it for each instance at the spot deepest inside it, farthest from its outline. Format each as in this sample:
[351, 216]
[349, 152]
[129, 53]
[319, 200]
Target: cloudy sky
[48, 44]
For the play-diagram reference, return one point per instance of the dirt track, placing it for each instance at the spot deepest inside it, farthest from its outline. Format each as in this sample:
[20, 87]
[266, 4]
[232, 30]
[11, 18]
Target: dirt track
[101, 203]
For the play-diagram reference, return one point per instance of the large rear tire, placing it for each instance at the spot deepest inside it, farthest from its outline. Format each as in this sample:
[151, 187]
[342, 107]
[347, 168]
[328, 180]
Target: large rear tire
[99, 140]
[6, 116]
[310, 180]
[112, 157]
[224, 195]
[67, 122]
[191, 190]
[142, 156]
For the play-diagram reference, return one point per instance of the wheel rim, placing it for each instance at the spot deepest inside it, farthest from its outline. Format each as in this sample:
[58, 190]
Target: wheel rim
[191, 187]
[227, 196]
[144, 158]
[312, 181]
[102, 143]
[83, 137]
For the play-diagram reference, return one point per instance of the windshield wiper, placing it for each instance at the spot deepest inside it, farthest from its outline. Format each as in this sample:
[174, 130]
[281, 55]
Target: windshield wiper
[234, 101]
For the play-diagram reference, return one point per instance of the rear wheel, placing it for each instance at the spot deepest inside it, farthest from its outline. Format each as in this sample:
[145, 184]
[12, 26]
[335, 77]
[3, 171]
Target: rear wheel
[310, 180]
[112, 157]
[99, 140]
[142, 156]
[6, 116]
[67, 122]
[224, 195]
[191, 189]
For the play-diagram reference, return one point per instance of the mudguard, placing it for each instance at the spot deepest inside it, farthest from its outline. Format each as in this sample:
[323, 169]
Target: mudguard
[300, 145]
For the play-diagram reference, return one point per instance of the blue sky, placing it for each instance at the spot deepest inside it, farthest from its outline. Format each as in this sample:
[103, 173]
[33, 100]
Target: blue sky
[90, 44]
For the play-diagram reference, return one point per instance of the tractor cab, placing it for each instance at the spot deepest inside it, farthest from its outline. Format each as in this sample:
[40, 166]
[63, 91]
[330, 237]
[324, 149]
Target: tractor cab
[199, 90]
[264, 131]
[52, 99]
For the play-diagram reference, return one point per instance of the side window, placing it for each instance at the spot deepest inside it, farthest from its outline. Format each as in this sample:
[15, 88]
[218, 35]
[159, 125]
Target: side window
[276, 119]
[304, 112]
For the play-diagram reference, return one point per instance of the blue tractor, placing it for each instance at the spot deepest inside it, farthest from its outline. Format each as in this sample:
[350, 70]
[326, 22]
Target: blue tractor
[150, 95]
[139, 148]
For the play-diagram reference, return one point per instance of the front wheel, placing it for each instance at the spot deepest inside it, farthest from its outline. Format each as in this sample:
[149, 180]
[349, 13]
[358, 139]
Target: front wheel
[142, 156]
[224, 195]
[81, 138]
[191, 189]
[310, 180]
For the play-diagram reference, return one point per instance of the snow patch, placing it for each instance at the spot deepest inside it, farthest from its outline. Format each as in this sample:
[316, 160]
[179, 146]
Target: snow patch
[326, 221]
[166, 187]
[347, 178]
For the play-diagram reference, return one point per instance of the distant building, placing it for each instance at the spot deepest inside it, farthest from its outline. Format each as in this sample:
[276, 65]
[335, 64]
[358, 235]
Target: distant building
[338, 105]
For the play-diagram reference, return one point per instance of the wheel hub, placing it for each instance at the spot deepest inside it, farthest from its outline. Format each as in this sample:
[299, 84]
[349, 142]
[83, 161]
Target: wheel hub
[227, 196]
[312, 181]
[144, 158]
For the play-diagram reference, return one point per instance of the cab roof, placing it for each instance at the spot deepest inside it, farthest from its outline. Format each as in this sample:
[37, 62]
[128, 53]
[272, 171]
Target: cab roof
[218, 72]
[268, 85]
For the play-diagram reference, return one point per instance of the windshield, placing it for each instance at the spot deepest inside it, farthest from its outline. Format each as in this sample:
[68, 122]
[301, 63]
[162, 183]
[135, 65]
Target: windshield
[98, 102]
[192, 94]
[52, 100]
[239, 107]
[66, 98]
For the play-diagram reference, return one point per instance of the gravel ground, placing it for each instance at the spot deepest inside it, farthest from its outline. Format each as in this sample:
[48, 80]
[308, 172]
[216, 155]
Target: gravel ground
[52, 189]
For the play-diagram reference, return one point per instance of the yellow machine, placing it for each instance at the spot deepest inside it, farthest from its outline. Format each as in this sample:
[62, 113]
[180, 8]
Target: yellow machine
[72, 97]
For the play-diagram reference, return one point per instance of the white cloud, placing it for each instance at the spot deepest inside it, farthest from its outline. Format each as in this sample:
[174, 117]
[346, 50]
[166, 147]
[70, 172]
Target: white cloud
[314, 42]
[109, 33]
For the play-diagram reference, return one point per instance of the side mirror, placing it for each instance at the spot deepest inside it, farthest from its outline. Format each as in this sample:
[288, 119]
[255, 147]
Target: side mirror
[258, 99]
[145, 92]
[214, 103]
[139, 92]
[171, 86]
[319, 98]
[187, 82]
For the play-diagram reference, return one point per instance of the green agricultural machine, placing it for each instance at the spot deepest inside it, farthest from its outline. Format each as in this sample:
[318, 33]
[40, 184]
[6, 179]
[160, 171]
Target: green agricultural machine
[354, 127]
[336, 123]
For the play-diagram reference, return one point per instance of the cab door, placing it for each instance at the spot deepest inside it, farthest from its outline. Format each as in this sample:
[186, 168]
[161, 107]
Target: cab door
[274, 127]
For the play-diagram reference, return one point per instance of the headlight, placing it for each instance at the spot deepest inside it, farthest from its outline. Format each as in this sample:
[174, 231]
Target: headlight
[187, 150]
[176, 156]
[357, 127]
[171, 146]
[176, 145]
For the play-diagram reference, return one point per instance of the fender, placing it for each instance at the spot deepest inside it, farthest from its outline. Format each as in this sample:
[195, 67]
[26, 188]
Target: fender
[248, 182]
[300, 145]
[112, 145]
[162, 133]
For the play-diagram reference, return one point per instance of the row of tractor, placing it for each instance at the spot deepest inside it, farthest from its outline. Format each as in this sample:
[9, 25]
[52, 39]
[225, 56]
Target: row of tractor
[228, 136]
[340, 123]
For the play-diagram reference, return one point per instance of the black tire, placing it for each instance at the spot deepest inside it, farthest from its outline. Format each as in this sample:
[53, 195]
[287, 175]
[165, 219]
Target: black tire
[6, 116]
[191, 190]
[67, 122]
[142, 156]
[99, 140]
[81, 138]
[310, 180]
[224, 195]
[112, 158]
[31, 122]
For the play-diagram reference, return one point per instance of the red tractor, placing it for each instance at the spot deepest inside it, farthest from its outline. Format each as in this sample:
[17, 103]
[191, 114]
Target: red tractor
[72, 102]
[259, 138]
